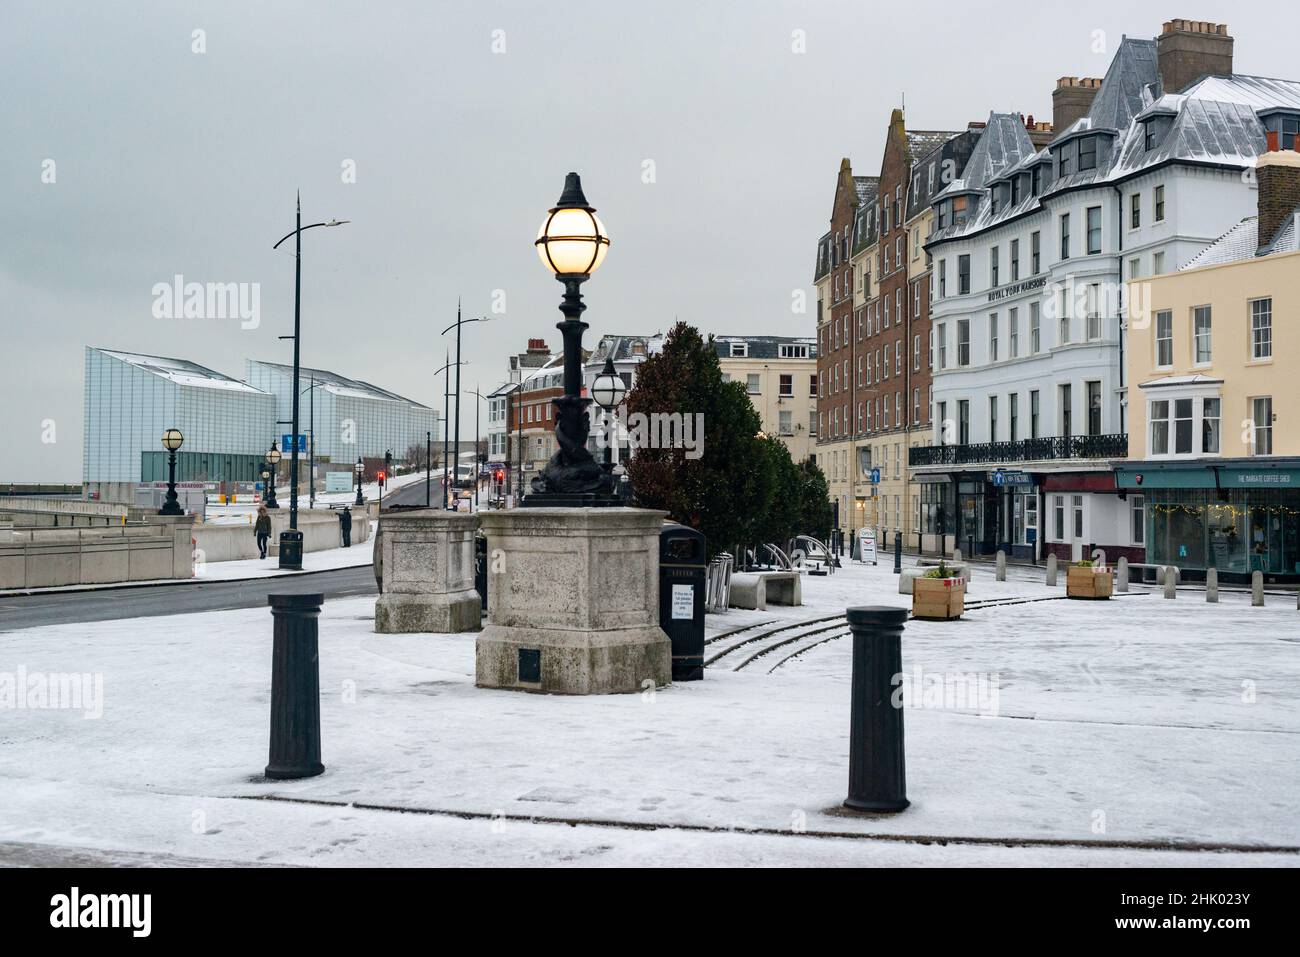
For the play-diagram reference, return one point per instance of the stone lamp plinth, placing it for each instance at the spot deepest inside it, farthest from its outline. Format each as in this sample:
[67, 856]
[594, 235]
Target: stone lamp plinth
[573, 602]
[427, 555]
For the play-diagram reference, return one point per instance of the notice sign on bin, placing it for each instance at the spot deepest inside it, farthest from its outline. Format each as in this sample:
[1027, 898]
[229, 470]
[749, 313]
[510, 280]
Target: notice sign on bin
[684, 602]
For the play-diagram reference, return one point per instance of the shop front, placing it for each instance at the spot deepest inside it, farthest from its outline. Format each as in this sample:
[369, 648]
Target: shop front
[980, 513]
[1236, 515]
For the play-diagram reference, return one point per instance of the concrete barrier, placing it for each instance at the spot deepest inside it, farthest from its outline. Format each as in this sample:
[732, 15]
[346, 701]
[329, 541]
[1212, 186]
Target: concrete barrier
[48, 557]
[319, 527]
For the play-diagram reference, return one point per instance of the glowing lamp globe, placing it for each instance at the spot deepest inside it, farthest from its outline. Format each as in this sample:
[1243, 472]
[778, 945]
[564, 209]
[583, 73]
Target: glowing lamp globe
[572, 240]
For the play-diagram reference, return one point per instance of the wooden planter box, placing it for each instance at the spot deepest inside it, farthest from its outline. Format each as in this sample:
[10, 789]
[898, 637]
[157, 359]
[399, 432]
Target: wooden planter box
[938, 599]
[1081, 582]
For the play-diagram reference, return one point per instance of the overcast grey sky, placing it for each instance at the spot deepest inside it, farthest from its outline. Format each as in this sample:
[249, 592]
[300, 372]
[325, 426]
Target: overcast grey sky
[173, 161]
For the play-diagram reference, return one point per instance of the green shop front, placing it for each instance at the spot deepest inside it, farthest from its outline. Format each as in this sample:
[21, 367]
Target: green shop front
[1236, 515]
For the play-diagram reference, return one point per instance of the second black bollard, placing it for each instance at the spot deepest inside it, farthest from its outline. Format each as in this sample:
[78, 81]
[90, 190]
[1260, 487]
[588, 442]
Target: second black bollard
[295, 687]
[898, 553]
[877, 778]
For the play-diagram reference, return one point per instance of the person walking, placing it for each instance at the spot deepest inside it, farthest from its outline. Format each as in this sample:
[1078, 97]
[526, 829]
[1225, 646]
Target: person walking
[262, 529]
[345, 526]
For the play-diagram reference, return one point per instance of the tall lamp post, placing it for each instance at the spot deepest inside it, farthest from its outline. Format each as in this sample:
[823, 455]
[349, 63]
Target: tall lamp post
[273, 460]
[291, 538]
[456, 427]
[572, 243]
[446, 401]
[478, 464]
[360, 470]
[608, 389]
[171, 441]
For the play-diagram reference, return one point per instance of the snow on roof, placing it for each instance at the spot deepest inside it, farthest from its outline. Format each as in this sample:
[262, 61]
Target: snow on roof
[182, 372]
[341, 385]
[1239, 242]
[1257, 92]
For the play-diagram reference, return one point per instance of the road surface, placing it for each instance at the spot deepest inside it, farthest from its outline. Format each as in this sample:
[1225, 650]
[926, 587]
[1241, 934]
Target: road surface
[146, 601]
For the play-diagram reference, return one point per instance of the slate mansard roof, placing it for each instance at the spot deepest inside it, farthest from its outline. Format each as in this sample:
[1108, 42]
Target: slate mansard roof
[1215, 122]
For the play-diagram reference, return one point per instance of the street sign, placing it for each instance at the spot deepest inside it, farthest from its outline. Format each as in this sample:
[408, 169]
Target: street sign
[286, 443]
[338, 481]
[875, 476]
[1006, 477]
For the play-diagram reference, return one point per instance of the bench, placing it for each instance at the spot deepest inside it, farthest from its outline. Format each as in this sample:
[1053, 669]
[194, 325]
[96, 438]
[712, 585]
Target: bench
[754, 590]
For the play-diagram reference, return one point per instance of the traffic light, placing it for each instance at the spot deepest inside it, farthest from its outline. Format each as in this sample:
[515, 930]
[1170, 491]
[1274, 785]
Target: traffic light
[380, 477]
[499, 475]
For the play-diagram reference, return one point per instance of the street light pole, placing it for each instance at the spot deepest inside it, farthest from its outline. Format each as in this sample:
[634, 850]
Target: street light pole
[360, 469]
[456, 325]
[428, 468]
[478, 415]
[291, 538]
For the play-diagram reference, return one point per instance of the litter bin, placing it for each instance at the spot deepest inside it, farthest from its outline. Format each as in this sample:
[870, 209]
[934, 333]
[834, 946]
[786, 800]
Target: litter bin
[682, 567]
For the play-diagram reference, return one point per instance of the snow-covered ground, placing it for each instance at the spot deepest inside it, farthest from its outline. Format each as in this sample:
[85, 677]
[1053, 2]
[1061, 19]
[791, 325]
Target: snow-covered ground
[1119, 732]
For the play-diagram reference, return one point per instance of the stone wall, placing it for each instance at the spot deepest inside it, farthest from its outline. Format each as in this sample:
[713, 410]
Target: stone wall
[46, 557]
[319, 527]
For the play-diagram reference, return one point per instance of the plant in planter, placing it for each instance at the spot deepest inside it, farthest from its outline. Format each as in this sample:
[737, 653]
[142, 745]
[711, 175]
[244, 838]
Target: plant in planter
[1089, 580]
[939, 594]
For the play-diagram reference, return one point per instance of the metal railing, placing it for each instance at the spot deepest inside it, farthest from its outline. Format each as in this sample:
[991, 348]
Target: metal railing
[1113, 446]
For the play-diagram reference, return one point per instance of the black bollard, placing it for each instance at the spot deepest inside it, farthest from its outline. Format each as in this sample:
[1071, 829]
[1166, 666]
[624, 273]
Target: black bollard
[898, 553]
[877, 780]
[295, 687]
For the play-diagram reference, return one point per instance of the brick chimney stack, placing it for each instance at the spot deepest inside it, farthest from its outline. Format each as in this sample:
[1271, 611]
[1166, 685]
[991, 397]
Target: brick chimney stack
[1072, 99]
[1190, 50]
[1277, 174]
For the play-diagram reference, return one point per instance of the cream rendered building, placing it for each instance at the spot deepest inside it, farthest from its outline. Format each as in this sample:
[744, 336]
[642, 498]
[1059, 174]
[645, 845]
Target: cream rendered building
[1213, 472]
[780, 375]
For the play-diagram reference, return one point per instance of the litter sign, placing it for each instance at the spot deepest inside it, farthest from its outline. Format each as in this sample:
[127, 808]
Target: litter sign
[683, 602]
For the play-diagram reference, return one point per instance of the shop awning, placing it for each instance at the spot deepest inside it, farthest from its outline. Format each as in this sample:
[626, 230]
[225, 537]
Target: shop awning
[1273, 473]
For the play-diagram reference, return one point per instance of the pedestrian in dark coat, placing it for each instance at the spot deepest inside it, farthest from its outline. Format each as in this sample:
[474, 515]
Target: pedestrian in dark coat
[262, 529]
[345, 526]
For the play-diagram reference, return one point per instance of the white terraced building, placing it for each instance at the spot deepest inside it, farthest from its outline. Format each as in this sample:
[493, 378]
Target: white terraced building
[1031, 251]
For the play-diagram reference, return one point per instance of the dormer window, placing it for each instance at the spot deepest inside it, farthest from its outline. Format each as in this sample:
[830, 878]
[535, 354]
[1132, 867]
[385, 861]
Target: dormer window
[1063, 159]
[739, 350]
[1036, 179]
[1286, 125]
[1017, 189]
[1087, 153]
[1150, 136]
[945, 214]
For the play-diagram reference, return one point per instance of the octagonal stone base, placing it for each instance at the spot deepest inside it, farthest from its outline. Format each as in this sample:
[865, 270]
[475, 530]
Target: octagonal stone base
[573, 602]
[428, 562]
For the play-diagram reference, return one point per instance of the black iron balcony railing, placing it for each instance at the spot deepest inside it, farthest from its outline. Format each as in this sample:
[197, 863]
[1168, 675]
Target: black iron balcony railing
[1113, 446]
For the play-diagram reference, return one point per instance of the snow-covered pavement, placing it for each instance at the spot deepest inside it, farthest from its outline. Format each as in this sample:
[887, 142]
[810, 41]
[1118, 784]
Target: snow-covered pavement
[1096, 733]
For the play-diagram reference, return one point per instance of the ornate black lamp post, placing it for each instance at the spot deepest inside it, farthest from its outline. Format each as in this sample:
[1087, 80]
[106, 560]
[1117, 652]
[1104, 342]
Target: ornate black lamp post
[608, 389]
[572, 244]
[171, 440]
[273, 460]
[360, 469]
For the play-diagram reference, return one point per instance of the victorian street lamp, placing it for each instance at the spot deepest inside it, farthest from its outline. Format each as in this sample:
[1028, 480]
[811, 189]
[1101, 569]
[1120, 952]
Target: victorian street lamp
[572, 244]
[273, 460]
[171, 441]
[360, 470]
[608, 389]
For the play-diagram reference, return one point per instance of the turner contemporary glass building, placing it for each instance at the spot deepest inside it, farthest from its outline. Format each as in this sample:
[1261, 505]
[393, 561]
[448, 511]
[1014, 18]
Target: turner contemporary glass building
[228, 424]
[131, 398]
